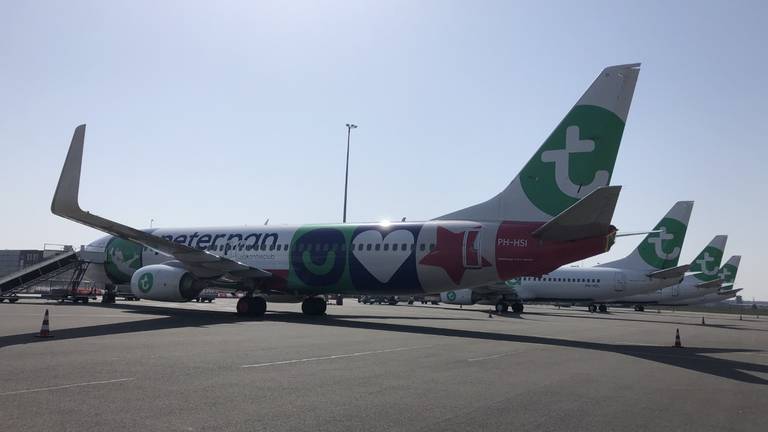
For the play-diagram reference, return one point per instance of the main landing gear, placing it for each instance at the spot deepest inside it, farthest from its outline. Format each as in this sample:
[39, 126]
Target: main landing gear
[601, 307]
[639, 308]
[314, 306]
[251, 306]
[503, 307]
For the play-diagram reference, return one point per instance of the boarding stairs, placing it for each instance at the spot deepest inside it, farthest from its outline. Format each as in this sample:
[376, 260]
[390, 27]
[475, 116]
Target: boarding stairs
[43, 271]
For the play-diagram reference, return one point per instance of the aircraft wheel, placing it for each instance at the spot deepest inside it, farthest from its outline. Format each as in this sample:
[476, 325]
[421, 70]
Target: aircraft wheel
[603, 308]
[314, 306]
[517, 307]
[499, 307]
[251, 306]
[641, 308]
[259, 306]
[593, 308]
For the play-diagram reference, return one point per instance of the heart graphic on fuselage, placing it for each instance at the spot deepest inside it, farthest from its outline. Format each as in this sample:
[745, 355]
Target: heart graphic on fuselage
[383, 264]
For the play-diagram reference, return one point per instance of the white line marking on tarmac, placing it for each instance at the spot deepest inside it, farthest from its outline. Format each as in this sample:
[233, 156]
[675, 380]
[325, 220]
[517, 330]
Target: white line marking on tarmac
[489, 357]
[357, 354]
[66, 386]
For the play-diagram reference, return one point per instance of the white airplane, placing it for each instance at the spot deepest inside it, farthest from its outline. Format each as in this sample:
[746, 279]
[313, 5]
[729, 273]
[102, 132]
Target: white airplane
[715, 297]
[705, 279]
[557, 210]
[652, 265]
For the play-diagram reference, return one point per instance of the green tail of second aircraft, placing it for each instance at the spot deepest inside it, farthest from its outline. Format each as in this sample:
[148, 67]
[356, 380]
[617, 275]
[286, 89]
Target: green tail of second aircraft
[661, 248]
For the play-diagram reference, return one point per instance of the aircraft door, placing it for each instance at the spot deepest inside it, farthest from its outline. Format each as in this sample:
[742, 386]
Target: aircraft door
[675, 292]
[471, 249]
[620, 283]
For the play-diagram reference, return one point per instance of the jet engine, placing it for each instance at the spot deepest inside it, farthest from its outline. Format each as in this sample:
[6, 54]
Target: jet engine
[166, 282]
[463, 296]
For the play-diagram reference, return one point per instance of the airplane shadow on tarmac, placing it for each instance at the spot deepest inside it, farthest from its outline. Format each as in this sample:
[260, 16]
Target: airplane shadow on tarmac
[691, 358]
[611, 316]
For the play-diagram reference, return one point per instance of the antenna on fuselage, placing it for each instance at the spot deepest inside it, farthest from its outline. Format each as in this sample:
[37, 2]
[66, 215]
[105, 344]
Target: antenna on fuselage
[266, 222]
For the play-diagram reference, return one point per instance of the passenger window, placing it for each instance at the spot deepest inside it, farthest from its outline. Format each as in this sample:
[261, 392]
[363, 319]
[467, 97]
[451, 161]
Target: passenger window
[386, 246]
[271, 247]
[368, 247]
[394, 247]
[378, 246]
[431, 247]
[422, 247]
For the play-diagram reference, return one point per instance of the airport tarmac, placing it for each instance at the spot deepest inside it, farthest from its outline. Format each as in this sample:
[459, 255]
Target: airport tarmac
[188, 367]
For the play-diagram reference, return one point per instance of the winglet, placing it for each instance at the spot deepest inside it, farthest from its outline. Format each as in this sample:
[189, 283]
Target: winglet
[590, 216]
[65, 199]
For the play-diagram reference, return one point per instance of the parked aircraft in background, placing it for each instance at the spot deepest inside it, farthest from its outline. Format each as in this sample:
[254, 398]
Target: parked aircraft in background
[727, 276]
[652, 265]
[557, 210]
[705, 279]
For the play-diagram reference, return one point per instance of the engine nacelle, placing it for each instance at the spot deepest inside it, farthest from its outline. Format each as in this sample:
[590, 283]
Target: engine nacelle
[463, 296]
[165, 282]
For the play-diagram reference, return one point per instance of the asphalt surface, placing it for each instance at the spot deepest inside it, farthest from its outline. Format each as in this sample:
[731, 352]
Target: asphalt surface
[154, 366]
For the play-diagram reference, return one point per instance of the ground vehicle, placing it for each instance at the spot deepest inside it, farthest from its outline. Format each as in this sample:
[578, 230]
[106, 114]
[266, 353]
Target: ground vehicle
[206, 296]
[391, 300]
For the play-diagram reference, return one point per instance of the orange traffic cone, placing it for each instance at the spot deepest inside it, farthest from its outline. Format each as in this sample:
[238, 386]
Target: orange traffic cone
[45, 331]
[677, 339]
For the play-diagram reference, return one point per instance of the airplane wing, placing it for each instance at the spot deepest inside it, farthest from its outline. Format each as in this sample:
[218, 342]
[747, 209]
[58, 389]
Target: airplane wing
[670, 273]
[709, 284]
[65, 204]
[590, 216]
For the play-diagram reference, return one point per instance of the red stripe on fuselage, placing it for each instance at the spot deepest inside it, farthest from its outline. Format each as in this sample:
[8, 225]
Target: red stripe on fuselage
[518, 253]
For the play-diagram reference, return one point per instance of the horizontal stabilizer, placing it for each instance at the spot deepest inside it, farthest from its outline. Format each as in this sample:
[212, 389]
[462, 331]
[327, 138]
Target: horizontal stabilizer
[589, 217]
[710, 284]
[670, 273]
[634, 233]
[726, 287]
[729, 292]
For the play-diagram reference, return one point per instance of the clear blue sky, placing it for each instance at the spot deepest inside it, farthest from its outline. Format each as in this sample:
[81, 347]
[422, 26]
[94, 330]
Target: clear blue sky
[227, 113]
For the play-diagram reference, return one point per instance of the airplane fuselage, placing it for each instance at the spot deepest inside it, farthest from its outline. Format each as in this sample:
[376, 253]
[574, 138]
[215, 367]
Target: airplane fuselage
[388, 258]
[594, 284]
[684, 290]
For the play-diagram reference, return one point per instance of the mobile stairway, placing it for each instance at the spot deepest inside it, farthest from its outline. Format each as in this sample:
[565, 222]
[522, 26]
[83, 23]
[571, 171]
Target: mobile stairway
[14, 283]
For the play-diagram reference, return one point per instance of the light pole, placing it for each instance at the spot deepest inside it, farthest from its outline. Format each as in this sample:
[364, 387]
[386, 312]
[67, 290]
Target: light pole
[350, 126]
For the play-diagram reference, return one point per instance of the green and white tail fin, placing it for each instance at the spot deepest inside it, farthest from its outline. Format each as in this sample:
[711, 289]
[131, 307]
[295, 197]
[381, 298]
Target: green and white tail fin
[660, 249]
[705, 267]
[728, 272]
[576, 159]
